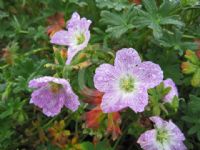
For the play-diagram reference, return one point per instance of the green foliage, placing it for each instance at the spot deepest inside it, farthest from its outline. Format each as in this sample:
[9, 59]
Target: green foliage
[160, 30]
[120, 23]
[100, 146]
[155, 17]
[191, 116]
[157, 103]
[169, 62]
[112, 4]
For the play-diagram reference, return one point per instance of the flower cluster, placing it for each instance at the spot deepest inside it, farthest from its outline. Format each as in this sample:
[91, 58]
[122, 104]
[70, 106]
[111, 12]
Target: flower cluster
[124, 84]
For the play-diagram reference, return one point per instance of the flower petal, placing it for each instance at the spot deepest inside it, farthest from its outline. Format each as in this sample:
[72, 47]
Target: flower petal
[173, 92]
[51, 103]
[74, 19]
[149, 74]
[175, 130]
[70, 54]
[138, 100]
[43, 81]
[71, 100]
[157, 121]
[105, 77]
[111, 102]
[147, 140]
[127, 58]
[60, 38]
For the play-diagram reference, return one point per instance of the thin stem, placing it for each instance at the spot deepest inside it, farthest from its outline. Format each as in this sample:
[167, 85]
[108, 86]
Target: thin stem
[76, 128]
[36, 51]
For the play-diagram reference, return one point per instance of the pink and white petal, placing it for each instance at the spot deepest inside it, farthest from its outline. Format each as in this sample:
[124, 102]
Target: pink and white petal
[40, 82]
[38, 97]
[85, 43]
[43, 81]
[60, 38]
[127, 58]
[178, 145]
[147, 140]
[73, 21]
[70, 55]
[54, 105]
[71, 100]
[159, 122]
[85, 24]
[178, 135]
[149, 74]
[105, 78]
[111, 102]
[173, 92]
[51, 103]
[138, 100]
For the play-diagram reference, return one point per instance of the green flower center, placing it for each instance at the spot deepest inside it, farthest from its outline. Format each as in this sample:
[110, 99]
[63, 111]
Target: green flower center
[162, 136]
[80, 39]
[55, 87]
[127, 84]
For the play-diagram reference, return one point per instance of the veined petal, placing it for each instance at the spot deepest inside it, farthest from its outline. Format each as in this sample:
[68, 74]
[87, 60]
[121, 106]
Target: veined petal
[70, 54]
[111, 102]
[173, 92]
[149, 74]
[60, 38]
[138, 100]
[159, 122]
[127, 58]
[147, 140]
[42, 81]
[51, 103]
[74, 19]
[71, 100]
[105, 78]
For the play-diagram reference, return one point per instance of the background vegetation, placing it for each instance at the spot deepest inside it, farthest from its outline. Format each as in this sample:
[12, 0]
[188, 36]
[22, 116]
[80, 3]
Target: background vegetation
[161, 30]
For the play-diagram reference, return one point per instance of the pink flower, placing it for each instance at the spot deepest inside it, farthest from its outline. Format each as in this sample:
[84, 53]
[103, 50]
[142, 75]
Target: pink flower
[126, 83]
[165, 136]
[76, 37]
[52, 94]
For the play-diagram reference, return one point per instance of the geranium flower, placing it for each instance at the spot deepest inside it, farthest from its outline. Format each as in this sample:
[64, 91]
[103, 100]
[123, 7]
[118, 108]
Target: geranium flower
[165, 136]
[52, 94]
[126, 83]
[173, 92]
[76, 37]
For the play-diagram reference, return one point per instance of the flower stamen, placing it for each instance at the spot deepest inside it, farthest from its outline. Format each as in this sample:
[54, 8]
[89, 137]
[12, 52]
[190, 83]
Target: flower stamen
[127, 84]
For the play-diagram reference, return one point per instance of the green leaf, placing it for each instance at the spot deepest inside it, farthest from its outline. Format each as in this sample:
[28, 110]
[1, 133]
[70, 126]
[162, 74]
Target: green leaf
[156, 17]
[194, 130]
[87, 146]
[112, 4]
[150, 6]
[119, 24]
[170, 20]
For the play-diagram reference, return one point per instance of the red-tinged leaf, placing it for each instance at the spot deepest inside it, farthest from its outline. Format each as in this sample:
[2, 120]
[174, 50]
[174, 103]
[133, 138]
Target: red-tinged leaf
[94, 117]
[56, 22]
[114, 121]
[93, 97]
